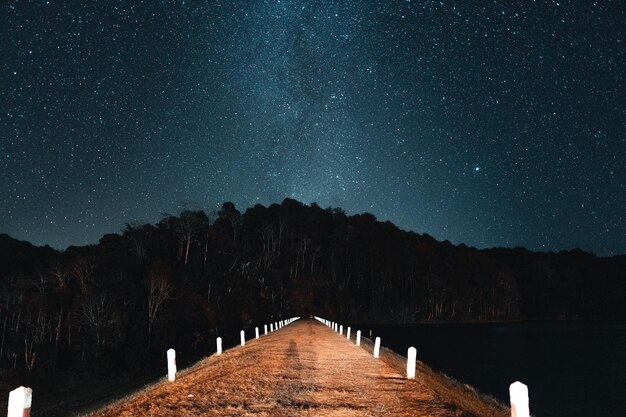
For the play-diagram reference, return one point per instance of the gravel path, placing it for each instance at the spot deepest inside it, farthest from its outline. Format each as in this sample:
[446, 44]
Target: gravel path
[304, 369]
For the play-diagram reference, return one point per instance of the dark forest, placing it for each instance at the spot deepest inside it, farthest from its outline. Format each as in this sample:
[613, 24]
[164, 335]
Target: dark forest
[121, 303]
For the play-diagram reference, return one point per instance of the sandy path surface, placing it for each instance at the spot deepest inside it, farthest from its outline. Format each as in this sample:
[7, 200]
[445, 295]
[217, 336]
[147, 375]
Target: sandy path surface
[304, 369]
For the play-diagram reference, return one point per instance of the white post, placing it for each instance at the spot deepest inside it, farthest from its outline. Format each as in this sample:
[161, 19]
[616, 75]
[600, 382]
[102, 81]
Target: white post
[377, 348]
[358, 338]
[219, 345]
[341, 329]
[265, 328]
[20, 401]
[519, 400]
[243, 337]
[348, 333]
[256, 332]
[410, 362]
[171, 365]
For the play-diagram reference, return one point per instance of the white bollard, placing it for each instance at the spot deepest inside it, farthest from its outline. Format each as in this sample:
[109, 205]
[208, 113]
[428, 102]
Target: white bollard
[377, 348]
[348, 333]
[341, 329]
[519, 400]
[20, 401]
[410, 362]
[265, 328]
[242, 335]
[219, 345]
[271, 327]
[358, 338]
[256, 332]
[171, 365]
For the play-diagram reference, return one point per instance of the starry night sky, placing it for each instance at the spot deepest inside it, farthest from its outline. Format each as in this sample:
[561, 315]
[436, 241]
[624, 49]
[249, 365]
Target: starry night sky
[489, 123]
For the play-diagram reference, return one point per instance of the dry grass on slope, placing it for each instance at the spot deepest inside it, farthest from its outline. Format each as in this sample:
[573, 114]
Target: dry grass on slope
[453, 392]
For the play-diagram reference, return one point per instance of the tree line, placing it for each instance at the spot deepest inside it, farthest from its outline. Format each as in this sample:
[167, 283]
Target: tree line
[188, 278]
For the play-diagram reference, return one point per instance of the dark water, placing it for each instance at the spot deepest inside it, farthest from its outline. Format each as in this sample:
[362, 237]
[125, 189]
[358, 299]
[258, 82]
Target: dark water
[571, 368]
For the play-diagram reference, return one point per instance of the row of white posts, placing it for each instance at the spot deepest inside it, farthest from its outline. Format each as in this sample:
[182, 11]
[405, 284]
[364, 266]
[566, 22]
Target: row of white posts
[20, 399]
[171, 363]
[518, 392]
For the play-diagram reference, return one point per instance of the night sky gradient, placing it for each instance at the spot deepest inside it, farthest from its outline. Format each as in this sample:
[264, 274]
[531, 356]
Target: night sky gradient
[488, 123]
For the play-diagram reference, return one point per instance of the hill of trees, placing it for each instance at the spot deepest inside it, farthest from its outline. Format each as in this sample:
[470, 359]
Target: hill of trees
[188, 278]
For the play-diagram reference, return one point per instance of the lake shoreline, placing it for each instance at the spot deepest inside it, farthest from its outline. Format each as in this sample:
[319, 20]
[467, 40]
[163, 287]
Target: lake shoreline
[572, 367]
[477, 322]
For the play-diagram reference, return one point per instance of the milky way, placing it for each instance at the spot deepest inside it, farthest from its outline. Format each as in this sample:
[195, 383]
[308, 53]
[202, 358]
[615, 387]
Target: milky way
[492, 125]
